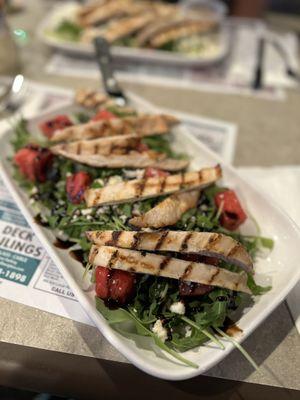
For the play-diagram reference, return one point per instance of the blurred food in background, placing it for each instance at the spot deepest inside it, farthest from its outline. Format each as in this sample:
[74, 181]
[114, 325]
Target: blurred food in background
[178, 28]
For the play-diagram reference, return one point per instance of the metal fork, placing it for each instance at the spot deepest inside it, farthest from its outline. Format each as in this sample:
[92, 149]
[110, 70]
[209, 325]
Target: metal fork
[11, 100]
[104, 60]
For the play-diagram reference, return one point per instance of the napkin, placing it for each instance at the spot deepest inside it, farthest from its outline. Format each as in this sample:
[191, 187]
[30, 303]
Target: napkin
[284, 183]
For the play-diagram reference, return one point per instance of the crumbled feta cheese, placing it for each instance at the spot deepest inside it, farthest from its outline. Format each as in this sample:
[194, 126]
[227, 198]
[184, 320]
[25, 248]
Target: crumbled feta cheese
[188, 331]
[74, 218]
[100, 181]
[113, 180]
[123, 218]
[135, 173]
[68, 174]
[31, 201]
[178, 308]
[87, 211]
[146, 229]
[34, 190]
[160, 331]
[102, 210]
[89, 218]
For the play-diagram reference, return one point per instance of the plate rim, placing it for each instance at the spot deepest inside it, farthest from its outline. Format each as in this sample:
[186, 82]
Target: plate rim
[109, 333]
[122, 52]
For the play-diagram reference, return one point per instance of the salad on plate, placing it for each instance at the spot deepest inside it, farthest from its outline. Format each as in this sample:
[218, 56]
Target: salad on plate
[142, 24]
[161, 243]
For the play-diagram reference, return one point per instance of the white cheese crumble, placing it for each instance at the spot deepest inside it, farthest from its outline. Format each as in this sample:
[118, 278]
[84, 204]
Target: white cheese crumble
[86, 211]
[178, 308]
[68, 174]
[113, 180]
[102, 210]
[147, 230]
[100, 181]
[160, 331]
[34, 190]
[188, 331]
[89, 218]
[123, 218]
[136, 173]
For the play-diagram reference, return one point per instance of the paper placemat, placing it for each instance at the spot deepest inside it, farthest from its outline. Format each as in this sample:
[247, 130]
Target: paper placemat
[232, 76]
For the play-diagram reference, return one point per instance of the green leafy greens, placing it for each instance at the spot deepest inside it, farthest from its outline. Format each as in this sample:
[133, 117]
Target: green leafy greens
[205, 316]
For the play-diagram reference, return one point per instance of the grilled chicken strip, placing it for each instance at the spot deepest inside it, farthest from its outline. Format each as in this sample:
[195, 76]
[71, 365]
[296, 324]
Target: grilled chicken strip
[90, 98]
[202, 243]
[143, 125]
[168, 212]
[90, 7]
[169, 267]
[138, 189]
[181, 29]
[131, 159]
[109, 10]
[127, 26]
[104, 146]
[166, 30]
[116, 152]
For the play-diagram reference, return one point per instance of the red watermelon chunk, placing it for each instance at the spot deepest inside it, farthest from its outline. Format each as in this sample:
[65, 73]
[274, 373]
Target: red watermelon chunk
[34, 162]
[76, 185]
[50, 126]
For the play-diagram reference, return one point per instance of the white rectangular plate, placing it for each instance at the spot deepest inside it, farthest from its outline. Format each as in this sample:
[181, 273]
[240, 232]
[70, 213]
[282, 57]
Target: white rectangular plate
[68, 10]
[280, 268]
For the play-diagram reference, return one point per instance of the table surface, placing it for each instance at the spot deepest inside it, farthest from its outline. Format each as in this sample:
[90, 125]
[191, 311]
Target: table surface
[268, 135]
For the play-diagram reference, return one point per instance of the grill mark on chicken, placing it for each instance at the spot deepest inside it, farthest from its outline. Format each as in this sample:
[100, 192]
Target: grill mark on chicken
[113, 259]
[234, 250]
[200, 176]
[187, 272]
[212, 242]
[163, 184]
[94, 252]
[114, 239]
[139, 187]
[136, 240]
[184, 244]
[213, 277]
[161, 240]
[164, 263]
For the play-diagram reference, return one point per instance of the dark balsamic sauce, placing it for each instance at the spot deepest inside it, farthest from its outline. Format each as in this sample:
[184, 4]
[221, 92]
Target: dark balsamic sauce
[63, 244]
[112, 304]
[38, 220]
[78, 255]
[231, 328]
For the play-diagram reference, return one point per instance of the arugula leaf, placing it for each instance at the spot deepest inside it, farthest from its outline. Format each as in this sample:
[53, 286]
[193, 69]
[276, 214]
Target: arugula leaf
[256, 289]
[120, 315]
[82, 117]
[162, 144]
[68, 30]
[120, 112]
